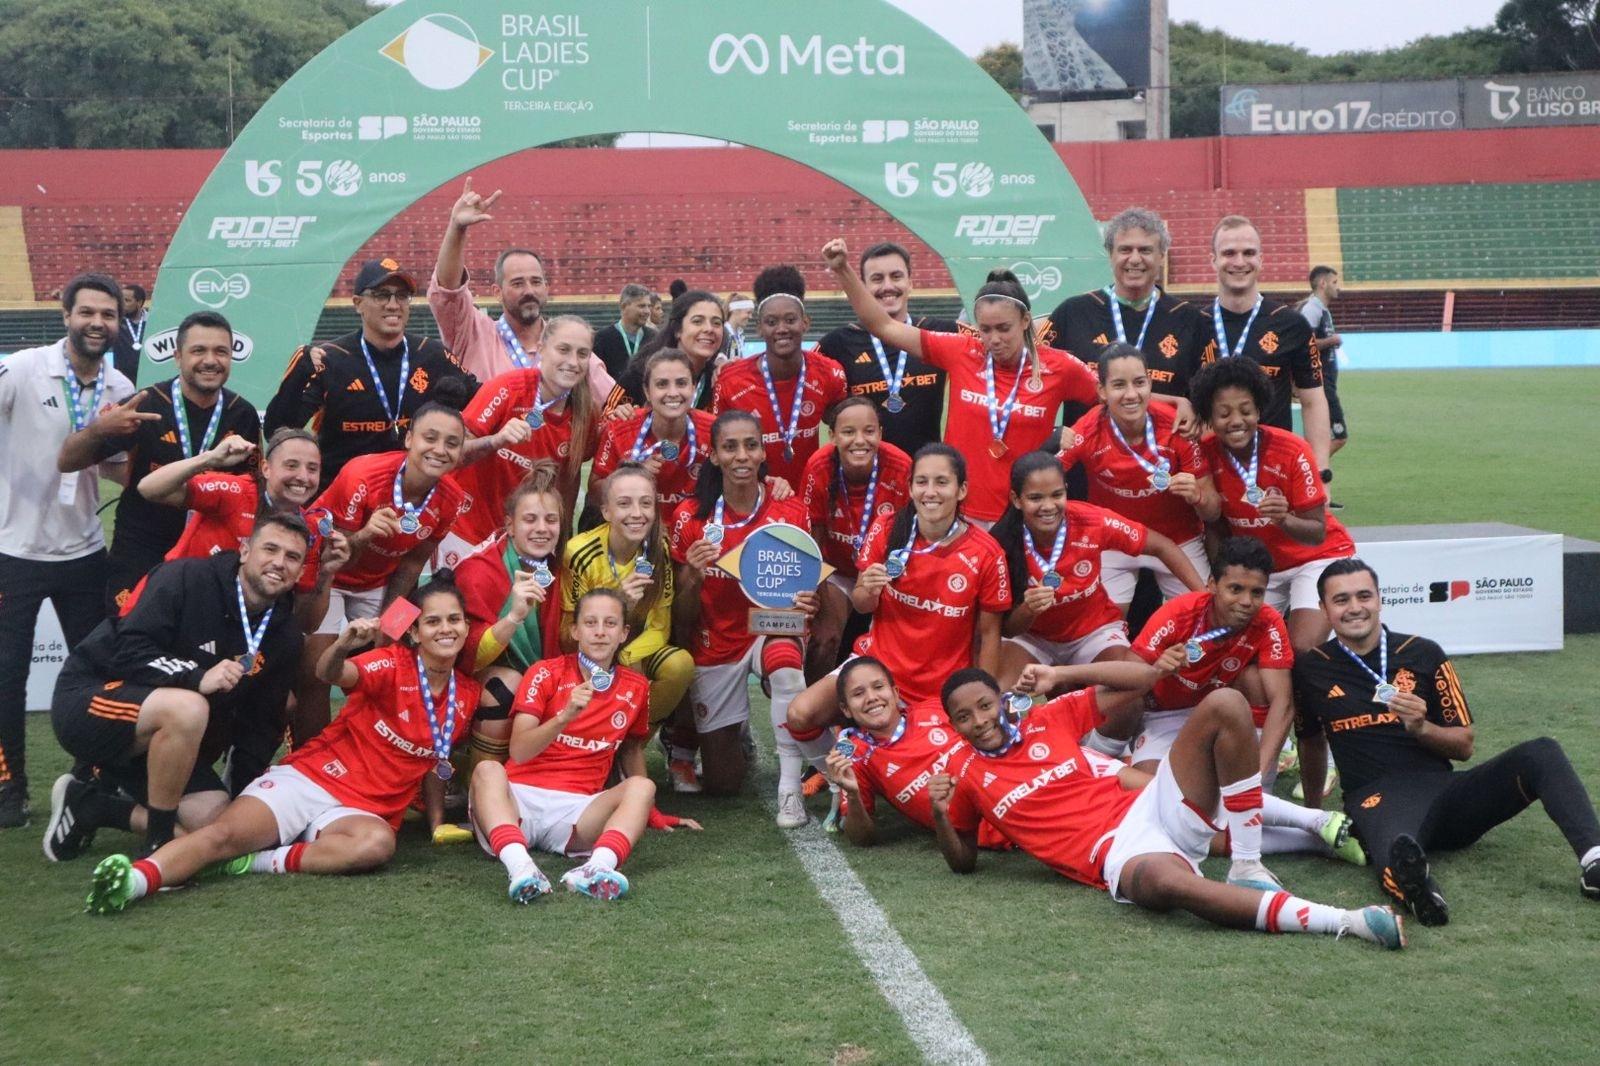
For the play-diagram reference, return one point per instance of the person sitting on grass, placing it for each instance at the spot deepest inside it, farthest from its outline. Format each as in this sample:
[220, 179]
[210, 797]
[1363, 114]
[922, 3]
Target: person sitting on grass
[1085, 817]
[333, 805]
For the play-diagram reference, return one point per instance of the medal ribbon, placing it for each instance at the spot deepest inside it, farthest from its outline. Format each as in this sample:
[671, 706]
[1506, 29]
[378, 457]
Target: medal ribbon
[180, 415]
[1223, 351]
[788, 433]
[252, 638]
[75, 410]
[405, 371]
[1046, 566]
[591, 666]
[716, 517]
[895, 378]
[872, 742]
[399, 501]
[999, 415]
[442, 731]
[514, 348]
[1013, 738]
[1248, 476]
[639, 453]
[1116, 317]
[950, 535]
[1160, 464]
[866, 509]
[1381, 677]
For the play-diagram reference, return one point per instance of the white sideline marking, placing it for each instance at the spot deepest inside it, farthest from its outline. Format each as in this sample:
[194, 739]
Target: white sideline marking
[924, 1011]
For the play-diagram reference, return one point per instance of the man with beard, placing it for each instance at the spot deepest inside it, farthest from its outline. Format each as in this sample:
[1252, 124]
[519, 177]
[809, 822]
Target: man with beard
[485, 346]
[193, 412]
[366, 385]
[203, 663]
[51, 543]
[909, 392]
[129, 341]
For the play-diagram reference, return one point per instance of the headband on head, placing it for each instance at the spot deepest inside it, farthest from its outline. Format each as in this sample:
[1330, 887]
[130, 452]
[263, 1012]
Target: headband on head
[745, 305]
[1002, 296]
[784, 296]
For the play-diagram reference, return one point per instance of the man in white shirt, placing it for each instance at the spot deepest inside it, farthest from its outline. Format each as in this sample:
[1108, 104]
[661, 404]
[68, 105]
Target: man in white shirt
[51, 543]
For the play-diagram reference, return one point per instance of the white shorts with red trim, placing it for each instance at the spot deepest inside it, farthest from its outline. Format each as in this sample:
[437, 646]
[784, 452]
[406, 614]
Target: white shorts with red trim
[1161, 729]
[301, 807]
[1160, 822]
[547, 818]
[1119, 573]
[1078, 652]
[1295, 589]
[720, 695]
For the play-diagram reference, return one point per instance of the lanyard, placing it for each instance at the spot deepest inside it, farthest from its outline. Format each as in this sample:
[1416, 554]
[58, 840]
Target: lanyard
[898, 560]
[410, 517]
[1013, 738]
[539, 568]
[1222, 334]
[632, 346]
[999, 415]
[138, 332]
[1384, 692]
[514, 348]
[1160, 471]
[860, 537]
[442, 731]
[75, 410]
[180, 415]
[252, 638]
[1116, 317]
[849, 733]
[1252, 488]
[668, 449]
[1049, 577]
[377, 385]
[535, 415]
[787, 433]
[599, 676]
[716, 518]
[1194, 649]
[893, 378]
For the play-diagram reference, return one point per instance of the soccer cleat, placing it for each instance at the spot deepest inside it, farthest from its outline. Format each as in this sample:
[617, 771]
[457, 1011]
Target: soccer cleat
[111, 886]
[813, 784]
[1253, 873]
[14, 809]
[69, 831]
[1336, 834]
[1328, 784]
[450, 833]
[684, 779]
[835, 817]
[1288, 758]
[1376, 925]
[1408, 880]
[1589, 880]
[595, 883]
[237, 866]
[528, 886]
[792, 810]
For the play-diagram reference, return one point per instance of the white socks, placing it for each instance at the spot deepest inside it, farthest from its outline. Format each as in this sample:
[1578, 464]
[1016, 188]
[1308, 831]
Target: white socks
[786, 683]
[1282, 913]
[602, 859]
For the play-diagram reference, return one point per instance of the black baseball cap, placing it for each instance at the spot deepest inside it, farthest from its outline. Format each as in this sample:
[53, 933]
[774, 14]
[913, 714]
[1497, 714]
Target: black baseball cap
[375, 272]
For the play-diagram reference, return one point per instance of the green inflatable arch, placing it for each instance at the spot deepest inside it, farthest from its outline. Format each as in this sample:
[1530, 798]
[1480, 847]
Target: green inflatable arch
[429, 89]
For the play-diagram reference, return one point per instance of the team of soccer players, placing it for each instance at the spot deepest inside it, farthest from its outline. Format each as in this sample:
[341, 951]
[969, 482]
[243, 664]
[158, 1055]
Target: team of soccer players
[969, 659]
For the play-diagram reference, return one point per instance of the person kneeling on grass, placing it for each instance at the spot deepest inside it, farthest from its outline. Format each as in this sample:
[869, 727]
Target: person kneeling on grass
[147, 703]
[572, 717]
[333, 805]
[1070, 808]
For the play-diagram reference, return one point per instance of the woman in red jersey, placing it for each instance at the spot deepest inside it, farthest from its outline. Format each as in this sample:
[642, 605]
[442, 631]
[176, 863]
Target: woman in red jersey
[1271, 489]
[394, 508]
[223, 507]
[522, 416]
[847, 484]
[670, 437]
[1063, 616]
[333, 805]
[1141, 467]
[1005, 393]
[787, 387]
[709, 607]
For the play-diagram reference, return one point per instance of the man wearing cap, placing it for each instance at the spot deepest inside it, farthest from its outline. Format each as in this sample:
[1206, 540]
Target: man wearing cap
[488, 347]
[365, 385]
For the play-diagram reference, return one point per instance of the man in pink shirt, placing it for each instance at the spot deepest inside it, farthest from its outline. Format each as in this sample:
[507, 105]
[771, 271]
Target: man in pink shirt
[488, 347]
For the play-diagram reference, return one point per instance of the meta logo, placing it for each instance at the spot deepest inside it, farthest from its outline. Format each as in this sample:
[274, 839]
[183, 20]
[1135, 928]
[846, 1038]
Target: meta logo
[751, 51]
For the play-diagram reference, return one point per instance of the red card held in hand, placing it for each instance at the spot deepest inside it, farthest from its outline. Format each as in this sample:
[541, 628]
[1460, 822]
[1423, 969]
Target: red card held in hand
[398, 618]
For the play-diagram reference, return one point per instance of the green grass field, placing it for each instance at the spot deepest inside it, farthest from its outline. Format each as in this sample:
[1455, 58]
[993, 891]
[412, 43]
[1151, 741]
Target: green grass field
[724, 952]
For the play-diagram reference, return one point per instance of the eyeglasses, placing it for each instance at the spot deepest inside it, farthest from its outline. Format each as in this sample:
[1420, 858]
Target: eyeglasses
[388, 296]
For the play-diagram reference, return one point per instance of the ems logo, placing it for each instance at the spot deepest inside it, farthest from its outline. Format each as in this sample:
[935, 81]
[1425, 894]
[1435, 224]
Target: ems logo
[1231, 663]
[1268, 342]
[1038, 752]
[957, 583]
[1083, 567]
[619, 719]
[938, 736]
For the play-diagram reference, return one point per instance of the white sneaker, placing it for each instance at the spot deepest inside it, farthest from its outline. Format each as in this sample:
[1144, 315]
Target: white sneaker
[792, 810]
[1252, 873]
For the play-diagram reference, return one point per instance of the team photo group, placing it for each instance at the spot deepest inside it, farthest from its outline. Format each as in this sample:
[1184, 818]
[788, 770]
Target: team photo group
[1085, 594]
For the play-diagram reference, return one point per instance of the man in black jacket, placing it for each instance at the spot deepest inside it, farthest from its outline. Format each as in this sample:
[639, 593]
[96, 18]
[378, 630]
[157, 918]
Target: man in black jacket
[203, 662]
[366, 385]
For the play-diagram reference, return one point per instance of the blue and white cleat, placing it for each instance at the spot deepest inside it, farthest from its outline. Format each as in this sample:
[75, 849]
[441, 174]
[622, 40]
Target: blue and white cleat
[528, 886]
[1252, 873]
[594, 883]
[1376, 925]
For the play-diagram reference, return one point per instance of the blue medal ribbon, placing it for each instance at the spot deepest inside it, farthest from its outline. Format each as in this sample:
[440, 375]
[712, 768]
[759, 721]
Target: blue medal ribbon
[1047, 567]
[1116, 317]
[1013, 737]
[852, 732]
[866, 509]
[252, 637]
[76, 414]
[514, 348]
[999, 414]
[1160, 471]
[1194, 649]
[598, 676]
[1252, 488]
[393, 412]
[1383, 690]
[410, 517]
[180, 415]
[786, 432]
[1223, 351]
[444, 731]
[639, 453]
[535, 415]
[893, 378]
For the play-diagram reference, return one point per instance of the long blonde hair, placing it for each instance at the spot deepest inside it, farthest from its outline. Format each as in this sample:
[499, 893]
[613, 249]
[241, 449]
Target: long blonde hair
[580, 399]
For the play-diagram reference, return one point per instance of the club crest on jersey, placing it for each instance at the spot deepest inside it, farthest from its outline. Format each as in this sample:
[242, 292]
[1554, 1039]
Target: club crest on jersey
[1231, 663]
[1372, 800]
[419, 381]
[1168, 346]
[938, 736]
[1039, 751]
[1405, 680]
[618, 720]
[1083, 568]
[1031, 383]
[957, 583]
[1268, 342]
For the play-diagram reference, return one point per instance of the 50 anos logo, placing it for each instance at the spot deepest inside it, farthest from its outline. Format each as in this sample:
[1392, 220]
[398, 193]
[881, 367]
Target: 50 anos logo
[751, 52]
[947, 179]
[312, 177]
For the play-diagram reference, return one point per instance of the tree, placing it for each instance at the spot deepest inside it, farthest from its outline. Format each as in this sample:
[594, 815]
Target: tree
[1003, 63]
[1552, 34]
[152, 73]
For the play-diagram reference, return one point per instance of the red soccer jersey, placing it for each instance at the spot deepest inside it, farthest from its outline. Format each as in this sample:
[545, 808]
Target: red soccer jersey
[374, 754]
[676, 479]
[1265, 641]
[1032, 418]
[899, 770]
[740, 386]
[1118, 483]
[836, 525]
[1286, 463]
[580, 756]
[485, 586]
[365, 484]
[722, 634]
[490, 480]
[1082, 605]
[1057, 801]
[927, 618]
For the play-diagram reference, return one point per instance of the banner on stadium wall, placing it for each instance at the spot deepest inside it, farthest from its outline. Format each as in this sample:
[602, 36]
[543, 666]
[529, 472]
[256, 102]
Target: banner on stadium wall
[426, 90]
[49, 655]
[1341, 107]
[1531, 100]
[1473, 595]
